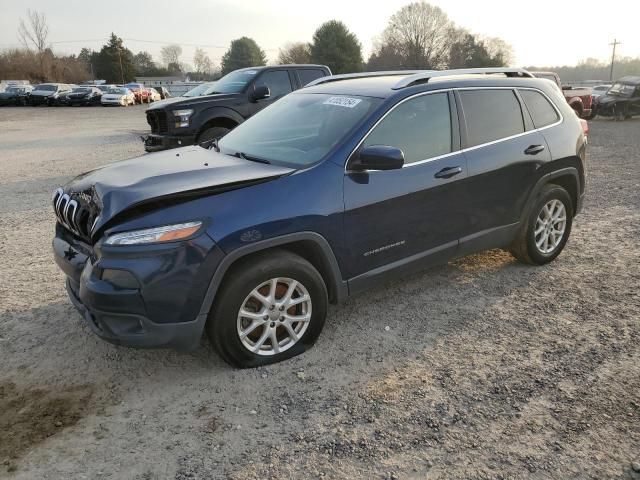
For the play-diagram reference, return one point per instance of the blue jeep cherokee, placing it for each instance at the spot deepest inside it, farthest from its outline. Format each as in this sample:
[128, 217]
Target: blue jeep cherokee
[341, 185]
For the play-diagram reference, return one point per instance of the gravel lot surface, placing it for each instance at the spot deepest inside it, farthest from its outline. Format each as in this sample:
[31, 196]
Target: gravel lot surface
[488, 368]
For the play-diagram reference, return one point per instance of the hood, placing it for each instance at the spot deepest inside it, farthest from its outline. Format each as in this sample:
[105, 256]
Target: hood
[106, 192]
[8, 94]
[188, 101]
[606, 99]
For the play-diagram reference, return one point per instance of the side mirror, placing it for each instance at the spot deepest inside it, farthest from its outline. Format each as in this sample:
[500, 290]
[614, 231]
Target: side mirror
[260, 92]
[378, 157]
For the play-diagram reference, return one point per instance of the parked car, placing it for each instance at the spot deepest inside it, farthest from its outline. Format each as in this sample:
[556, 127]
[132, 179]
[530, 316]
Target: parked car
[141, 93]
[154, 95]
[119, 96]
[164, 93]
[344, 184]
[15, 95]
[210, 110]
[578, 98]
[600, 90]
[49, 93]
[104, 88]
[622, 100]
[84, 96]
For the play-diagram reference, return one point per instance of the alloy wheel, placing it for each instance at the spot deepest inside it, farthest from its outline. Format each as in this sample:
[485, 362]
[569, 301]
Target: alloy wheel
[550, 226]
[274, 316]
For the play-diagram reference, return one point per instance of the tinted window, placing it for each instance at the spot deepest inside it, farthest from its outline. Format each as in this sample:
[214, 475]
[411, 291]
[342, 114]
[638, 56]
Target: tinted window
[491, 115]
[420, 127]
[541, 110]
[277, 81]
[309, 75]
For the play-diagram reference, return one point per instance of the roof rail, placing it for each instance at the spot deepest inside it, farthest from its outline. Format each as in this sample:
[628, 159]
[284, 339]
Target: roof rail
[347, 76]
[425, 75]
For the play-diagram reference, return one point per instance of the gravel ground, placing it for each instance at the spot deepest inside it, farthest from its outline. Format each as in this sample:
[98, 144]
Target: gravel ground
[489, 369]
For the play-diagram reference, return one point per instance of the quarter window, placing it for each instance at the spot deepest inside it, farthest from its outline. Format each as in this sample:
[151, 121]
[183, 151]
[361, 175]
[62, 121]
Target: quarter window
[491, 115]
[541, 110]
[420, 127]
[277, 81]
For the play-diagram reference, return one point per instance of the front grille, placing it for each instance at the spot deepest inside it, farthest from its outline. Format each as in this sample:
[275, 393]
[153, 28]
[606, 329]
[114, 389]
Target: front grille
[158, 121]
[74, 212]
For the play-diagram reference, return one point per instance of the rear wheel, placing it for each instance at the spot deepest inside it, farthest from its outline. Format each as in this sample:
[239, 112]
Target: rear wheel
[547, 229]
[271, 307]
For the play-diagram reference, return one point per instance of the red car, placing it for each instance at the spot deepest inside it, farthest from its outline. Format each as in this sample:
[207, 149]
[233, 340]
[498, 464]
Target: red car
[140, 92]
[579, 99]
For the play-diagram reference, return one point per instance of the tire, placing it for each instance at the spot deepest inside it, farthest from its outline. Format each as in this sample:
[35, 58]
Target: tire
[212, 133]
[256, 273]
[524, 247]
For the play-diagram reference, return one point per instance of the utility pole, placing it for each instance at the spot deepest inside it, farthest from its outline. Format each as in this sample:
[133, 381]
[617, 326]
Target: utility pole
[122, 72]
[613, 57]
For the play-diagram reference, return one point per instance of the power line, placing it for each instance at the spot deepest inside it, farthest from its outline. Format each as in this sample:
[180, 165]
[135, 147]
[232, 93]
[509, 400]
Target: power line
[613, 57]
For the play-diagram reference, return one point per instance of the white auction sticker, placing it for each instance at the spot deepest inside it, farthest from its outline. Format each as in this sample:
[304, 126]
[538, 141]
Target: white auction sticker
[342, 101]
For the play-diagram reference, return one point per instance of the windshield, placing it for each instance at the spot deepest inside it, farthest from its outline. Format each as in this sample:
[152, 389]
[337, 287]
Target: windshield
[298, 130]
[47, 88]
[81, 89]
[117, 91]
[621, 89]
[15, 89]
[133, 86]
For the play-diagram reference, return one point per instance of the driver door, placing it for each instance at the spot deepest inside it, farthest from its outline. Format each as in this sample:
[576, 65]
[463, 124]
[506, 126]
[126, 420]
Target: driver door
[416, 212]
[279, 84]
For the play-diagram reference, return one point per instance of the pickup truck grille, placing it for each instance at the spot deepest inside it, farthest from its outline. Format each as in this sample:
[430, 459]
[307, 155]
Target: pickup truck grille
[74, 212]
[158, 121]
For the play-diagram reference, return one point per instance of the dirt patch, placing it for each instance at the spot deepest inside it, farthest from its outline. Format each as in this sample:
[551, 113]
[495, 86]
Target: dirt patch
[30, 416]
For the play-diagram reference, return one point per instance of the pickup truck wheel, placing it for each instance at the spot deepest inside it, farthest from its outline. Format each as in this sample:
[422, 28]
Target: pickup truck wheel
[212, 133]
[547, 228]
[271, 307]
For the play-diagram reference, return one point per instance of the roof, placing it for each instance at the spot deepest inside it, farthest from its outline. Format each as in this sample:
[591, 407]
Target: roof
[289, 65]
[386, 84]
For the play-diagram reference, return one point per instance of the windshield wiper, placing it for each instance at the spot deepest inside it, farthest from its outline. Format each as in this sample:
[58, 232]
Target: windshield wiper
[251, 158]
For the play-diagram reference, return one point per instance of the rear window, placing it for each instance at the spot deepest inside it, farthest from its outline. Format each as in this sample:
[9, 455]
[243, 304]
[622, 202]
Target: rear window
[541, 110]
[491, 115]
[308, 75]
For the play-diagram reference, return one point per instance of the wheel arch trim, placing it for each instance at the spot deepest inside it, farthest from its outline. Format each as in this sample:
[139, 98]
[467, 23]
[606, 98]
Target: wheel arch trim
[333, 270]
[548, 178]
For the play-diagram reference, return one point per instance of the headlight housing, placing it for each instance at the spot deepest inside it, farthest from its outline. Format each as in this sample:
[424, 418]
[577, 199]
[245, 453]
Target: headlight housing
[182, 117]
[167, 233]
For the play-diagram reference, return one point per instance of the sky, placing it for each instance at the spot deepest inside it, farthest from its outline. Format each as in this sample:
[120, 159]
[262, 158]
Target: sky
[541, 32]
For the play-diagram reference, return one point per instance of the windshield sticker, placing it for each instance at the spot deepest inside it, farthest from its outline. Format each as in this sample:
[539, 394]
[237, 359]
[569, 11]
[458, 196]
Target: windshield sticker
[342, 101]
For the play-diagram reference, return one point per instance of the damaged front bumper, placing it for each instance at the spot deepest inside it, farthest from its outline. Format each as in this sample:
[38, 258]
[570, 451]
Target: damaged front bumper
[136, 298]
[156, 143]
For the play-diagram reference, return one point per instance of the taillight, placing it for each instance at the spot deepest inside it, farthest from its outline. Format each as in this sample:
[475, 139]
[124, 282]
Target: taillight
[585, 127]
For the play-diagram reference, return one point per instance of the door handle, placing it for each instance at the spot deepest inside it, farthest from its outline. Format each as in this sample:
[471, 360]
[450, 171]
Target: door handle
[448, 172]
[534, 149]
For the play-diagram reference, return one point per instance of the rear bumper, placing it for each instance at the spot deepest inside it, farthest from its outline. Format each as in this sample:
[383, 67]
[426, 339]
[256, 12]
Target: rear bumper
[155, 143]
[159, 307]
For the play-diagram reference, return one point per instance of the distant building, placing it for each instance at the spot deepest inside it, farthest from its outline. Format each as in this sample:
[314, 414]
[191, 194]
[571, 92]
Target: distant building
[162, 81]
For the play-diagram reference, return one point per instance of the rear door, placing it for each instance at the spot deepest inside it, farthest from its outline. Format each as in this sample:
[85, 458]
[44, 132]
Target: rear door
[503, 151]
[279, 84]
[308, 75]
[396, 216]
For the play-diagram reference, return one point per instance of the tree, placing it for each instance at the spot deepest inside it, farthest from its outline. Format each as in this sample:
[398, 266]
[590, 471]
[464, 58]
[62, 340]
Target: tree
[170, 54]
[470, 52]
[114, 62]
[419, 35]
[144, 64]
[335, 46]
[34, 32]
[243, 52]
[202, 63]
[298, 52]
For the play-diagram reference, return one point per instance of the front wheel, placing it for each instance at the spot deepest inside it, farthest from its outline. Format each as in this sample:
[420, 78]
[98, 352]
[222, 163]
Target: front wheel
[271, 307]
[547, 227]
[212, 133]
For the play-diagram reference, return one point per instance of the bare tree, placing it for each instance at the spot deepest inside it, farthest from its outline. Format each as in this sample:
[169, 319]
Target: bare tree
[34, 32]
[202, 62]
[298, 52]
[171, 54]
[497, 47]
[419, 34]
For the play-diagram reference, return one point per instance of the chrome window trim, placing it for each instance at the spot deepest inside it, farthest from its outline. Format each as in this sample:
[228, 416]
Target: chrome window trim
[462, 150]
